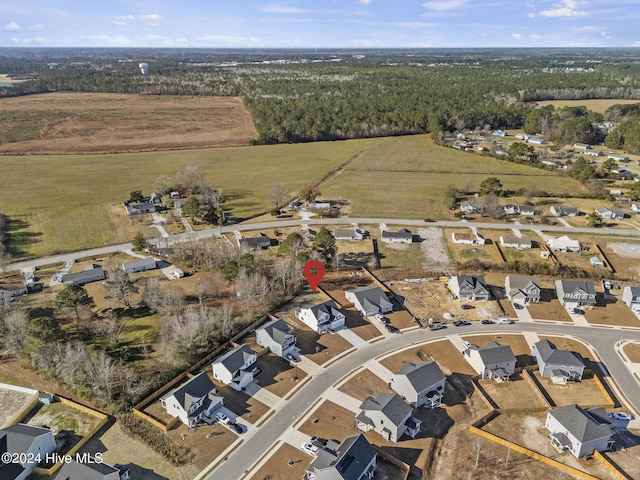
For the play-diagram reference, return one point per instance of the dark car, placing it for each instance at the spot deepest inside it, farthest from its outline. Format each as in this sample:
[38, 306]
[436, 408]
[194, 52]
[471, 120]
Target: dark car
[429, 220]
[466, 306]
[487, 322]
[320, 442]
[518, 306]
[391, 328]
[236, 427]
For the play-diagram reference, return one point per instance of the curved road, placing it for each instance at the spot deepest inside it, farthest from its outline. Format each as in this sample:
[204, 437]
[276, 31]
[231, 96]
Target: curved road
[257, 444]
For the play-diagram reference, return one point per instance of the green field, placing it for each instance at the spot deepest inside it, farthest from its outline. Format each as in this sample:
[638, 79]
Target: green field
[407, 177]
[59, 202]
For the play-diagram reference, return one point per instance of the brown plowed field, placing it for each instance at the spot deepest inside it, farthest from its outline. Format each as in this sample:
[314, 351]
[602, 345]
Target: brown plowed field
[110, 123]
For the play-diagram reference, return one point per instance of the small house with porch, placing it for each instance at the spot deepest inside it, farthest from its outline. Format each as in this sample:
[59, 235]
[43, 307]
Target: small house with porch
[321, 318]
[420, 384]
[559, 365]
[277, 336]
[388, 415]
[580, 431]
[236, 368]
[576, 293]
[493, 361]
[369, 300]
[466, 287]
[522, 289]
[193, 401]
[403, 235]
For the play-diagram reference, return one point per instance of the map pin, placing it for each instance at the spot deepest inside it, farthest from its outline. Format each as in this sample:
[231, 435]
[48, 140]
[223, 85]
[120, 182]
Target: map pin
[313, 272]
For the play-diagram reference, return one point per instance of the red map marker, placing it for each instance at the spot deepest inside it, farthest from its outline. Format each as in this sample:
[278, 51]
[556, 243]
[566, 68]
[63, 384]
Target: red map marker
[313, 272]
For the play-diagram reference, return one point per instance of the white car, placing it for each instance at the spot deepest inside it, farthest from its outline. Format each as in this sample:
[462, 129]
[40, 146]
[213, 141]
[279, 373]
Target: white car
[381, 318]
[620, 416]
[222, 418]
[310, 448]
[504, 320]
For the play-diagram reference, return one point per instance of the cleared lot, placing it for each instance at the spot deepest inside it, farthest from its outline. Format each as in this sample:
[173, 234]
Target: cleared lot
[444, 352]
[285, 463]
[365, 384]
[515, 394]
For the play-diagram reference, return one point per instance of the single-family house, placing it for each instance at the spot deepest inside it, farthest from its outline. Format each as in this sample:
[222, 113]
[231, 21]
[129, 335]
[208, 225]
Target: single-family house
[491, 361]
[535, 140]
[560, 211]
[522, 289]
[563, 244]
[350, 234]
[510, 209]
[610, 213]
[466, 287]
[236, 368]
[527, 210]
[511, 241]
[499, 133]
[388, 415]
[91, 273]
[321, 318]
[467, 238]
[617, 157]
[522, 136]
[576, 293]
[580, 431]
[369, 300]
[559, 365]
[259, 241]
[471, 207]
[321, 205]
[635, 207]
[277, 336]
[193, 401]
[352, 459]
[631, 298]
[140, 265]
[10, 290]
[596, 262]
[91, 470]
[25, 443]
[401, 236]
[420, 384]
[581, 146]
[136, 208]
[592, 152]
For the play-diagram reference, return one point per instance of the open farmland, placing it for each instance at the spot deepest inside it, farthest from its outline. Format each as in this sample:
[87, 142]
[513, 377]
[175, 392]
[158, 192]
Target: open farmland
[407, 177]
[595, 105]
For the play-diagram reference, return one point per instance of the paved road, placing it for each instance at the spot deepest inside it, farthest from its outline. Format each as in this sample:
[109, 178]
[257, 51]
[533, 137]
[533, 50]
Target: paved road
[256, 445]
[243, 227]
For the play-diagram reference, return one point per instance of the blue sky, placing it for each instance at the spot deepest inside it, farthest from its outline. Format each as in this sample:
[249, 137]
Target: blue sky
[320, 23]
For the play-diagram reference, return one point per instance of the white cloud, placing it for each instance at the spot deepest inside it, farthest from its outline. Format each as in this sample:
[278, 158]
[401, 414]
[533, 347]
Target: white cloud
[441, 5]
[363, 2]
[566, 8]
[121, 20]
[15, 40]
[535, 36]
[151, 20]
[517, 36]
[280, 9]
[104, 40]
[11, 27]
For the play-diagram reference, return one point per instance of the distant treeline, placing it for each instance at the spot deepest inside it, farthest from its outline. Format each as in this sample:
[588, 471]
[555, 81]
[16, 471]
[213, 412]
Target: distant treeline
[310, 97]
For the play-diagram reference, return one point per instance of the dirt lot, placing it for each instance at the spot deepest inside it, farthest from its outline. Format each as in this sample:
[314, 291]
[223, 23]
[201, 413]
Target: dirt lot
[629, 459]
[277, 375]
[244, 406]
[101, 122]
[518, 345]
[207, 449]
[278, 467]
[585, 393]
[359, 325]
[61, 417]
[330, 420]
[365, 384]
[514, 394]
[548, 308]
[317, 348]
[632, 350]
[11, 402]
[611, 311]
[443, 352]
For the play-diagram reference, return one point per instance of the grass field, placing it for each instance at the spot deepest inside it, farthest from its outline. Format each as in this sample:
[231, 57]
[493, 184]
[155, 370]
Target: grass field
[407, 177]
[599, 105]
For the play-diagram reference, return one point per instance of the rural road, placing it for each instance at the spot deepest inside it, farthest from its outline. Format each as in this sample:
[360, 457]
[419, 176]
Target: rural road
[243, 227]
[255, 445]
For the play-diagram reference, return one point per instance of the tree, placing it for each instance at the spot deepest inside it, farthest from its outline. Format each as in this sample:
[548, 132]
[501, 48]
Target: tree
[522, 153]
[135, 196]
[309, 193]
[608, 165]
[582, 170]
[191, 207]
[193, 181]
[491, 185]
[153, 294]
[594, 219]
[120, 286]
[41, 331]
[210, 215]
[139, 242]
[162, 185]
[634, 191]
[325, 245]
[277, 194]
[492, 206]
[72, 297]
[293, 245]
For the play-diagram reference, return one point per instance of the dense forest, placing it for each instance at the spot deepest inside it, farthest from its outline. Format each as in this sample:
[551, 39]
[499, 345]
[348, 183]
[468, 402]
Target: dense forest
[298, 96]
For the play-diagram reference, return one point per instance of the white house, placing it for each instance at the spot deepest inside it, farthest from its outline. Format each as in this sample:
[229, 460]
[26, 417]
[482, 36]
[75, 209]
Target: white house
[610, 213]
[277, 336]
[420, 383]
[10, 290]
[236, 368]
[470, 207]
[465, 287]
[560, 211]
[522, 289]
[563, 244]
[581, 146]
[401, 236]
[559, 365]
[576, 293]
[140, 265]
[596, 262]
[25, 442]
[467, 238]
[593, 152]
[388, 415]
[193, 401]
[631, 298]
[580, 431]
[618, 158]
[491, 361]
[511, 241]
[321, 318]
[369, 300]
[635, 207]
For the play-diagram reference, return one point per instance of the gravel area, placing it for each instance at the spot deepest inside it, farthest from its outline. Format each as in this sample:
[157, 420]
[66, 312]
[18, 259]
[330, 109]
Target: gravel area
[434, 248]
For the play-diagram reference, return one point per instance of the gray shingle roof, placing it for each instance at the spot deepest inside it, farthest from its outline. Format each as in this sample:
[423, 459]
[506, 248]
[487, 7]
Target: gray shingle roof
[422, 375]
[390, 404]
[80, 471]
[403, 233]
[584, 424]
[278, 330]
[330, 307]
[194, 389]
[370, 296]
[20, 437]
[494, 353]
[550, 354]
[571, 286]
[347, 462]
[235, 358]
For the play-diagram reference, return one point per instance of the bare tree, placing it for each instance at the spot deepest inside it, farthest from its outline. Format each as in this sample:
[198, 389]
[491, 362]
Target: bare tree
[120, 286]
[153, 294]
[12, 326]
[277, 194]
[161, 184]
[492, 206]
[477, 446]
[193, 181]
[208, 285]
[102, 371]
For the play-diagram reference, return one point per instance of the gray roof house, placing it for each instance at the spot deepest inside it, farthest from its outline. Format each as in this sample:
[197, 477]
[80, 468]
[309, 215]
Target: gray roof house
[610, 213]
[471, 207]
[352, 459]
[91, 273]
[522, 289]
[420, 383]
[236, 368]
[352, 234]
[403, 235]
[559, 365]
[576, 293]
[491, 361]
[193, 401]
[631, 298]
[321, 318]
[580, 431]
[369, 300]
[140, 265]
[511, 241]
[26, 441]
[259, 241]
[561, 211]
[596, 262]
[388, 415]
[465, 287]
[277, 336]
[95, 470]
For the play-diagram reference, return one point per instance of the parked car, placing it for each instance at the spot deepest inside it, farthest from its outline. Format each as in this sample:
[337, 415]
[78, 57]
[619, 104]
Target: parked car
[222, 418]
[437, 326]
[504, 321]
[461, 323]
[236, 427]
[310, 448]
[467, 306]
[576, 311]
[620, 416]
[487, 322]
[381, 318]
[320, 442]
[518, 306]
[391, 328]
